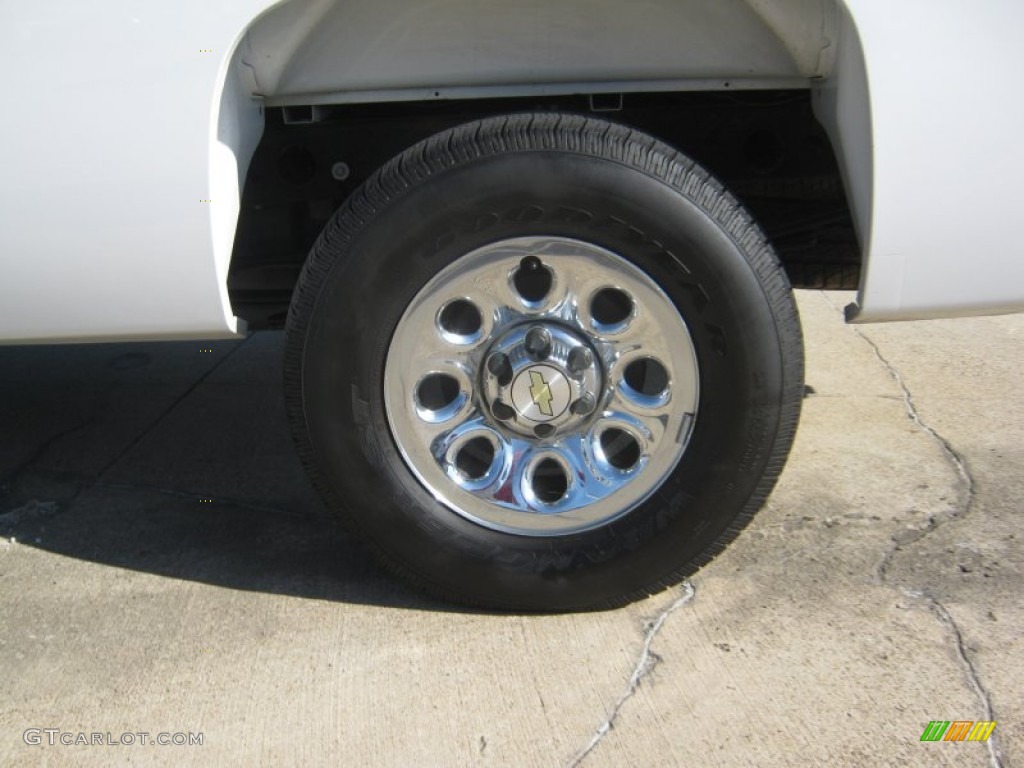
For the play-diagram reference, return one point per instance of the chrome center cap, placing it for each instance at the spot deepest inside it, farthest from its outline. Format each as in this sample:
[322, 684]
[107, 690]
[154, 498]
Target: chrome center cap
[542, 379]
[541, 393]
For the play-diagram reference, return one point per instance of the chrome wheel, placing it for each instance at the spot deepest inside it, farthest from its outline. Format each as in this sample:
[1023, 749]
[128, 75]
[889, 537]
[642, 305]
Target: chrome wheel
[541, 386]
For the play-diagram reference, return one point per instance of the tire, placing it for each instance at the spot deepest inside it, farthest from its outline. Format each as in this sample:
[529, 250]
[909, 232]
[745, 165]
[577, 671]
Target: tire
[543, 362]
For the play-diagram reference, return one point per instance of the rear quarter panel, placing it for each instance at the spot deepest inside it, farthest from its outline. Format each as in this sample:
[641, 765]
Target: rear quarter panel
[922, 105]
[118, 211]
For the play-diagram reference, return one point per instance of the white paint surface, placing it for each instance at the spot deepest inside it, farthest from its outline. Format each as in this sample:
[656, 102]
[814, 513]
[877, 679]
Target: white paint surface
[107, 148]
[129, 129]
[937, 188]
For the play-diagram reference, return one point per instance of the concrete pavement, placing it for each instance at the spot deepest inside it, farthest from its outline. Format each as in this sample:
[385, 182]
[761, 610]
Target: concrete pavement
[162, 570]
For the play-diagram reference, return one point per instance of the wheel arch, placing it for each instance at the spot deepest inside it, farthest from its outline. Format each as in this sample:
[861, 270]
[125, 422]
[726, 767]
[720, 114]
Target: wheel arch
[340, 51]
[870, 97]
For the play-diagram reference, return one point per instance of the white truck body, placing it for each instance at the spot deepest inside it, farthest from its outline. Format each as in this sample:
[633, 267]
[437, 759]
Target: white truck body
[130, 127]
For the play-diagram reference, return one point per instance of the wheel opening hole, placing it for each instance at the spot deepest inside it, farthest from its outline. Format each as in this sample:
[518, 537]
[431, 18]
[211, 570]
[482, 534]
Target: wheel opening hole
[611, 306]
[474, 459]
[532, 280]
[620, 448]
[647, 377]
[461, 318]
[550, 481]
[437, 391]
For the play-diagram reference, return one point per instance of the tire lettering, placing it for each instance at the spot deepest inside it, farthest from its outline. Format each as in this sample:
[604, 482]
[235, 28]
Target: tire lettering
[717, 339]
[525, 214]
[570, 216]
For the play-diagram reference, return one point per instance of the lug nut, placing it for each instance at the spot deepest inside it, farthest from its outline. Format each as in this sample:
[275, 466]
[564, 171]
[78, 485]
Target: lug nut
[538, 343]
[579, 360]
[503, 411]
[500, 366]
[530, 264]
[543, 430]
[583, 406]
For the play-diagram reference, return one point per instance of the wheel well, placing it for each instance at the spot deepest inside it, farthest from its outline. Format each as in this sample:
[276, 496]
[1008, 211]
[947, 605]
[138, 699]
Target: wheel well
[348, 51]
[766, 146]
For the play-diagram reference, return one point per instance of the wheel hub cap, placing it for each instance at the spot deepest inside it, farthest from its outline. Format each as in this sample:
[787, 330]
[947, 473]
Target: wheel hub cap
[541, 380]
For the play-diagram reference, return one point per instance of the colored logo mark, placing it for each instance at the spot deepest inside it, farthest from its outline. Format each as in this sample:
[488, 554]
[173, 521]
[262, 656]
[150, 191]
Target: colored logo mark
[958, 730]
[541, 393]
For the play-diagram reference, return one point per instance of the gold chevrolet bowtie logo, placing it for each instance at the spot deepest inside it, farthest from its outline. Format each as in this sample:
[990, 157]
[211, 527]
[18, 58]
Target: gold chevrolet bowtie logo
[541, 393]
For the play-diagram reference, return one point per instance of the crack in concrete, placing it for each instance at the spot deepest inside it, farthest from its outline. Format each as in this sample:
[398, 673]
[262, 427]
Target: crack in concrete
[949, 623]
[932, 523]
[84, 483]
[645, 665]
[169, 409]
[193, 495]
[954, 457]
[8, 483]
